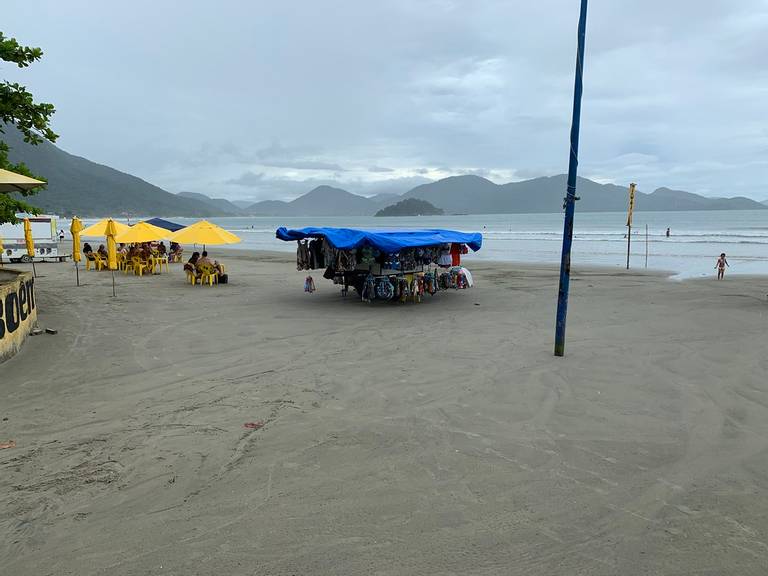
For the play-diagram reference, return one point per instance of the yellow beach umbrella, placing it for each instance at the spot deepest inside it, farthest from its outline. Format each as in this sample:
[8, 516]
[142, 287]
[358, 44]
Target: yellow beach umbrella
[204, 232]
[99, 230]
[12, 182]
[142, 232]
[28, 240]
[111, 232]
[76, 228]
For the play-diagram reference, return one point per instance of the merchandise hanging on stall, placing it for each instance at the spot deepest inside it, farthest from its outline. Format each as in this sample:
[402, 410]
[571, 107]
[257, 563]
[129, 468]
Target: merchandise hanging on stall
[387, 265]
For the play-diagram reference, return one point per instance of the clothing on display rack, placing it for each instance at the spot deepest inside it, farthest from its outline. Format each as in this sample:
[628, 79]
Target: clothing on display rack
[302, 255]
[455, 254]
[316, 254]
[444, 261]
[402, 276]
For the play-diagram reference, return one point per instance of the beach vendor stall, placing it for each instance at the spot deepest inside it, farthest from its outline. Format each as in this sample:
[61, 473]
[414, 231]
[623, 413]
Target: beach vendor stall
[383, 264]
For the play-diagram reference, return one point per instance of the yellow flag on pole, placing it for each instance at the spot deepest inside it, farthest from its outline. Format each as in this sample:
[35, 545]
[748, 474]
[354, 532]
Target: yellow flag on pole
[631, 203]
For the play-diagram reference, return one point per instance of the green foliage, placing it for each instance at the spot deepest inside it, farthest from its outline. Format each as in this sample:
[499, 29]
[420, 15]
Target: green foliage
[18, 108]
[410, 207]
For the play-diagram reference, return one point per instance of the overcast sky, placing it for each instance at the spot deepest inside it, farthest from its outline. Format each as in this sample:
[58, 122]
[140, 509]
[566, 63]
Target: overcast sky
[264, 99]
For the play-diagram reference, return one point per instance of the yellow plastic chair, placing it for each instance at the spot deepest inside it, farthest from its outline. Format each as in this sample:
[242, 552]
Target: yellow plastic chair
[191, 277]
[157, 264]
[99, 262]
[138, 266]
[90, 261]
[209, 275]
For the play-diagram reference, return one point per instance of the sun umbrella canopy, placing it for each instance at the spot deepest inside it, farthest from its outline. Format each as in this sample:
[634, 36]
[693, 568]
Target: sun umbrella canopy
[76, 228]
[100, 228]
[142, 232]
[12, 182]
[204, 232]
[28, 240]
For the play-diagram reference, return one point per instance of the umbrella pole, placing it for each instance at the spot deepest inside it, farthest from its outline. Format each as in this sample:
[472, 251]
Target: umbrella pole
[34, 272]
[77, 274]
[113, 283]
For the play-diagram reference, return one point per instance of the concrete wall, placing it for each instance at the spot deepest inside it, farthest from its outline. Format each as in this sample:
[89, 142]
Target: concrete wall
[18, 310]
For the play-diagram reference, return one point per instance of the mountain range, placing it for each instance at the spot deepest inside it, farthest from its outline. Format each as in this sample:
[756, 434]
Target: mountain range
[476, 195]
[78, 186]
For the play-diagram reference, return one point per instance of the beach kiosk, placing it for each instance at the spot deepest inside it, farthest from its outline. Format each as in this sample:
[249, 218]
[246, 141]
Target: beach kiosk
[385, 264]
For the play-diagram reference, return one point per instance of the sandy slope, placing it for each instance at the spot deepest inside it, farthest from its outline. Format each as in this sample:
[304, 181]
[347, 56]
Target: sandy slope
[441, 438]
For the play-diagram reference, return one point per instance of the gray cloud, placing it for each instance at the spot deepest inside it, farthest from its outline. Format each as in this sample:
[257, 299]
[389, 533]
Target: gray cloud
[484, 86]
[247, 179]
[303, 165]
[379, 169]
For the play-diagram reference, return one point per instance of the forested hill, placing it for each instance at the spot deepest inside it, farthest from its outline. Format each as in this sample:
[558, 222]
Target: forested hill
[79, 186]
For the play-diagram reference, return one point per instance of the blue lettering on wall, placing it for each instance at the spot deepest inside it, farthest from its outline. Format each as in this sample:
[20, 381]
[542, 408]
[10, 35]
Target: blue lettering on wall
[17, 307]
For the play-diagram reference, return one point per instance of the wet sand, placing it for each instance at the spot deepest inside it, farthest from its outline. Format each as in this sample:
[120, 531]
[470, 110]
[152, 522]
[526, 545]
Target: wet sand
[440, 438]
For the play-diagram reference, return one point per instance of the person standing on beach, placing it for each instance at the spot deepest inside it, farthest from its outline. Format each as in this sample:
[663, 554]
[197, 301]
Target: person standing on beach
[667, 232]
[721, 264]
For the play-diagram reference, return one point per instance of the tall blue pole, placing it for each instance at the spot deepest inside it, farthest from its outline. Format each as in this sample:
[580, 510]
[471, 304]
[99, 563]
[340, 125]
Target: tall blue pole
[570, 196]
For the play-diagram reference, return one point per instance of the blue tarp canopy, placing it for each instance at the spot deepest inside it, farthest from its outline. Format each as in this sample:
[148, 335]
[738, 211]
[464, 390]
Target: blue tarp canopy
[160, 223]
[388, 241]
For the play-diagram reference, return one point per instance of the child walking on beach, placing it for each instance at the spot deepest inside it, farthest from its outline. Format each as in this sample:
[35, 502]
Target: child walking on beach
[721, 264]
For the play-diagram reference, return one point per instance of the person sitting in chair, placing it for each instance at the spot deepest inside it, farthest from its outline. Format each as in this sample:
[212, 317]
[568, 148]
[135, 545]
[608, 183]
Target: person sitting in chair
[205, 263]
[204, 260]
[176, 251]
[191, 265]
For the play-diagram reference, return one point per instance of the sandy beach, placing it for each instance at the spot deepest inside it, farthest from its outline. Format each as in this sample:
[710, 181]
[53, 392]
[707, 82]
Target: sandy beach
[440, 438]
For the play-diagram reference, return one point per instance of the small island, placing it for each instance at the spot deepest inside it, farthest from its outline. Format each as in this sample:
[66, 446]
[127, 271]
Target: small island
[410, 207]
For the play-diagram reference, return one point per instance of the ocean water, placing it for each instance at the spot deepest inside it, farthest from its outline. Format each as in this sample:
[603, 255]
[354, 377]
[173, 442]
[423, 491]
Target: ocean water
[697, 237]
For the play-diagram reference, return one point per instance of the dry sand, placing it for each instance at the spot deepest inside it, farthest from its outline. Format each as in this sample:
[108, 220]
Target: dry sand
[441, 438]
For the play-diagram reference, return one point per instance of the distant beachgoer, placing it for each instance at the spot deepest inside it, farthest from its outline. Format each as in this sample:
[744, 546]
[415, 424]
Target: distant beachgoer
[102, 251]
[61, 235]
[161, 249]
[721, 264]
[667, 232]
